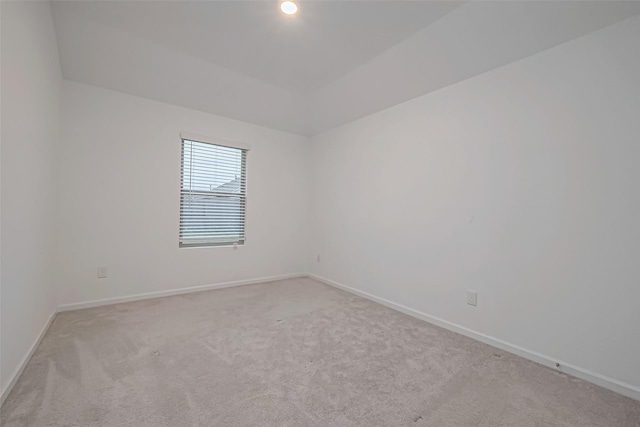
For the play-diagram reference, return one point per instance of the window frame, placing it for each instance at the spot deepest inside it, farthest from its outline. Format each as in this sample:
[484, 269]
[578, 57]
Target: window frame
[243, 196]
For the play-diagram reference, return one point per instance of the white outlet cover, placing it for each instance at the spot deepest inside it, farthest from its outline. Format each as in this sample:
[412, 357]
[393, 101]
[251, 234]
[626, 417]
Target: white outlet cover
[472, 298]
[102, 272]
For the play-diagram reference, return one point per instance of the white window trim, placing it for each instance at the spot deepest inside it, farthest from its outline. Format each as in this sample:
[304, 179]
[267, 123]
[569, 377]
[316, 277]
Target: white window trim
[216, 141]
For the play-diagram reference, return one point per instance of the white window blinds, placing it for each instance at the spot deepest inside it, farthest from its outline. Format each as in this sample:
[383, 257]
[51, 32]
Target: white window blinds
[213, 194]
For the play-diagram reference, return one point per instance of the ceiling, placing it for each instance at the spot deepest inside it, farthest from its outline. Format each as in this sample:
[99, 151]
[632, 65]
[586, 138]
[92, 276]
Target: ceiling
[305, 52]
[333, 62]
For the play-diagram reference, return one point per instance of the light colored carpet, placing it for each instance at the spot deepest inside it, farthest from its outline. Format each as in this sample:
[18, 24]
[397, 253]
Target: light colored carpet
[287, 353]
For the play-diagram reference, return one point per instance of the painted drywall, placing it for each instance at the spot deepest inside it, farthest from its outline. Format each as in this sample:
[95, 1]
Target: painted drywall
[476, 37]
[101, 55]
[31, 80]
[520, 184]
[119, 198]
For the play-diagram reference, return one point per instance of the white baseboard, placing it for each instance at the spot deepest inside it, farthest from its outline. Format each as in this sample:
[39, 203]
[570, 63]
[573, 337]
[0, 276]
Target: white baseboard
[150, 295]
[584, 374]
[27, 357]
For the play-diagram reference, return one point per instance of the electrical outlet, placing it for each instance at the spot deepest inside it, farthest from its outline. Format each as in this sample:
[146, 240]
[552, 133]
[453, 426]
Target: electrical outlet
[472, 298]
[102, 272]
[318, 258]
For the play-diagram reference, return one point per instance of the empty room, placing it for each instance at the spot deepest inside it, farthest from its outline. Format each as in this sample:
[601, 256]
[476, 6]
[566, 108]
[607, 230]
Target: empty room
[320, 213]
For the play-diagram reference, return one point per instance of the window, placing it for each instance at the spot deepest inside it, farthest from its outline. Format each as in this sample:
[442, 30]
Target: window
[213, 194]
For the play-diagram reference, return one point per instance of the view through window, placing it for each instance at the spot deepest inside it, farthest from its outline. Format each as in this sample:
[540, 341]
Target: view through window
[212, 194]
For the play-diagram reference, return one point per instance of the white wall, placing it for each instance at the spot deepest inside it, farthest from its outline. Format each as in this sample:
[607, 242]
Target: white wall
[119, 198]
[31, 82]
[521, 184]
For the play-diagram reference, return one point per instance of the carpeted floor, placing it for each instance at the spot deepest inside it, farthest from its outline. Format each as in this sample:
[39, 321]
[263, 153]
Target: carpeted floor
[287, 353]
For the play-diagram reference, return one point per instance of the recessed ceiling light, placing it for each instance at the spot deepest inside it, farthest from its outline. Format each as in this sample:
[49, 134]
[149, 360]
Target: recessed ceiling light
[289, 7]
